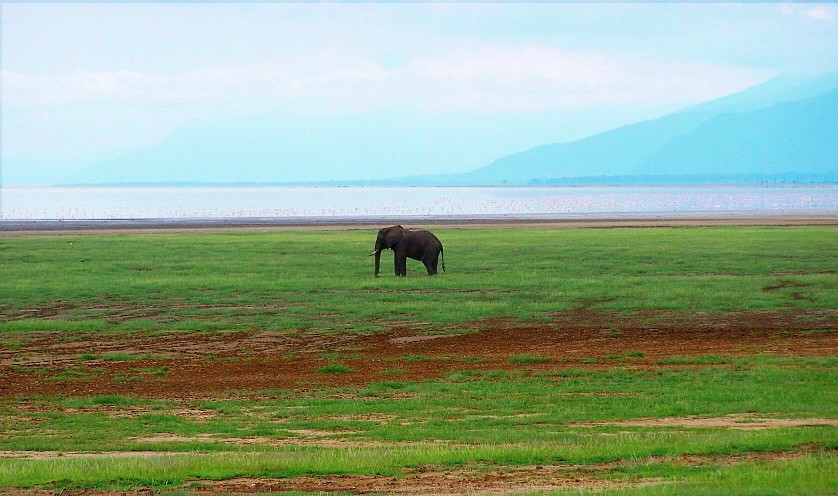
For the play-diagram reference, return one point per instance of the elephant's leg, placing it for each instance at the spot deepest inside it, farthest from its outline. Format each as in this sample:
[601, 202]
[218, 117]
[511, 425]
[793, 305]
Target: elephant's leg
[435, 263]
[396, 265]
[403, 266]
[430, 264]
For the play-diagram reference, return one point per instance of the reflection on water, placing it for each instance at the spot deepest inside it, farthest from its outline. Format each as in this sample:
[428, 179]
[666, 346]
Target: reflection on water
[279, 202]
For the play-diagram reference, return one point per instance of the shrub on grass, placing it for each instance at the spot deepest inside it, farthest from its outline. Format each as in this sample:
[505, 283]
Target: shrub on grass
[528, 359]
[699, 360]
[415, 358]
[334, 368]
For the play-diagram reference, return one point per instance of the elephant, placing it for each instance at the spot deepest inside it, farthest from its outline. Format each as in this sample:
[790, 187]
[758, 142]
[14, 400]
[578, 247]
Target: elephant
[418, 245]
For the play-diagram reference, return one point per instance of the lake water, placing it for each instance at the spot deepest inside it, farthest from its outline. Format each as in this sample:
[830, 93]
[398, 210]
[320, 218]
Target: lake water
[77, 203]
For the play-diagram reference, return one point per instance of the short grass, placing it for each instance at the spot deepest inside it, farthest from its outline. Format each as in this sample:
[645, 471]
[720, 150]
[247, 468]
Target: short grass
[526, 358]
[334, 368]
[809, 474]
[470, 417]
[321, 282]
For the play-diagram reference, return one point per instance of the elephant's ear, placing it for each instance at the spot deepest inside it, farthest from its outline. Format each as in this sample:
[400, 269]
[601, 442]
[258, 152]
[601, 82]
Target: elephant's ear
[394, 235]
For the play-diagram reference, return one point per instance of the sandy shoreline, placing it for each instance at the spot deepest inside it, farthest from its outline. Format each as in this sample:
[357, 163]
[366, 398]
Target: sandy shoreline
[18, 228]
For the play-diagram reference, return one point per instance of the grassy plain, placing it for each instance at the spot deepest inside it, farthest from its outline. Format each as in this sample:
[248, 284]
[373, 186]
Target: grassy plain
[618, 361]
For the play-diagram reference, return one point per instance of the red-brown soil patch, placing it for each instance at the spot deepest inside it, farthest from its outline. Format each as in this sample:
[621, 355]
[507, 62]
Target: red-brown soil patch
[510, 481]
[202, 364]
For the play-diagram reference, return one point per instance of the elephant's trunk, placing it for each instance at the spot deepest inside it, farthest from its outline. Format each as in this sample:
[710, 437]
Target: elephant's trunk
[377, 254]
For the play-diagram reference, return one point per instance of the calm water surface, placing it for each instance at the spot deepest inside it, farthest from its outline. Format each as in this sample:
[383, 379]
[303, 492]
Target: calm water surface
[231, 202]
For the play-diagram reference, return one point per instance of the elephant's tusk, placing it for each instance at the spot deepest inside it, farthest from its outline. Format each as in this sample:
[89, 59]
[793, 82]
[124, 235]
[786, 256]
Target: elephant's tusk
[373, 253]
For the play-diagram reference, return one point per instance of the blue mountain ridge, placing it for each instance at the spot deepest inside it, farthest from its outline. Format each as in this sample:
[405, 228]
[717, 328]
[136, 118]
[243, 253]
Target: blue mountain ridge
[776, 127]
[784, 128]
[800, 136]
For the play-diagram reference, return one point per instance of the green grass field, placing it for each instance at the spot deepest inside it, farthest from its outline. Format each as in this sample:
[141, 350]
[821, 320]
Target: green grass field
[89, 370]
[323, 280]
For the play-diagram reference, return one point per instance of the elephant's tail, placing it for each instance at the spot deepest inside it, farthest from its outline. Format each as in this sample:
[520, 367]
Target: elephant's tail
[442, 255]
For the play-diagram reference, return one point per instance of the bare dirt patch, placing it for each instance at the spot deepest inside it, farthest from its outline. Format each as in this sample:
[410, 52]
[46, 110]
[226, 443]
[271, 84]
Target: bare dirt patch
[415, 339]
[511, 481]
[46, 455]
[733, 421]
[203, 364]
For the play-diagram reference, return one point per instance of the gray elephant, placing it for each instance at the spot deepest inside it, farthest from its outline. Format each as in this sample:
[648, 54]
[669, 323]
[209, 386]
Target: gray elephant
[418, 245]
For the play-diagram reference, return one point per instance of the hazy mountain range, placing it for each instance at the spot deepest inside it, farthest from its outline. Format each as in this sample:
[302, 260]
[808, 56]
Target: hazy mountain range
[784, 130]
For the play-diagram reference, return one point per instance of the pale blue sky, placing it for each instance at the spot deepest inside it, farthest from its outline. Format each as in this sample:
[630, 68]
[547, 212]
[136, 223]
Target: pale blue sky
[89, 81]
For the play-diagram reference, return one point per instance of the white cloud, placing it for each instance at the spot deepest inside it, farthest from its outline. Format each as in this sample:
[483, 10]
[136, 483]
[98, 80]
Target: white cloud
[532, 77]
[486, 77]
[277, 80]
[96, 86]
[818, 13]
[821, 13]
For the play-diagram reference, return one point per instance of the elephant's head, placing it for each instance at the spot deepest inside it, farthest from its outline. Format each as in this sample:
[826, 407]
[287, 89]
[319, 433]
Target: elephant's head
[387, 238]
